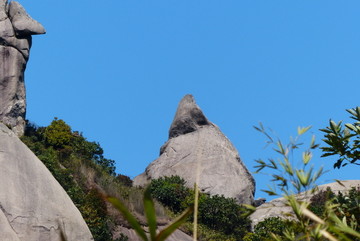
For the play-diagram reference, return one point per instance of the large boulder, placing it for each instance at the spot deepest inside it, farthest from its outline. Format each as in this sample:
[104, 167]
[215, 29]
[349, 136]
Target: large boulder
[197, 148]
[33, 205]
[16, 28]
[279, 208]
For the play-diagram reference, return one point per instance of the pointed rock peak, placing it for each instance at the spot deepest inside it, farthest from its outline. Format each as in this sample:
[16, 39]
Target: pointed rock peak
[188, 118]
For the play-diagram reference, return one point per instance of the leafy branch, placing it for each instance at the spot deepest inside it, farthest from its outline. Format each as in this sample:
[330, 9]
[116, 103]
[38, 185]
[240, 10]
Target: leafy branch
[343, 140]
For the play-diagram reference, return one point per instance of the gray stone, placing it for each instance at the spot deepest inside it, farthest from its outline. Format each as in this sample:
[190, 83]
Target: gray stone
[3, 14]
[188, 118]
[198, 147]
[33, 205]
[23, 24]
[16, 28]
[279, 208]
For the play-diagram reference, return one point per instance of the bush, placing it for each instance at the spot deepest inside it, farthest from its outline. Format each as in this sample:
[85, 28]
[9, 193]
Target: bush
[170, 191]
[218, 213]
[318, 201]
[264, 229]
[58, 134]
[224, 215]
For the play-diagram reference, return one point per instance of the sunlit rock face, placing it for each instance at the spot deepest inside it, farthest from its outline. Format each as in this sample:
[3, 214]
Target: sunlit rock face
[280, 208]
[198, 147]
[16, 28]
[33, 205]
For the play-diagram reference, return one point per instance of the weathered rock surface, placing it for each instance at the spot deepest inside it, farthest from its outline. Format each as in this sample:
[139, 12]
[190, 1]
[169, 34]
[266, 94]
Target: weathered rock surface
[278, 207]
[16, 28]
[33, 205]
[194, 141]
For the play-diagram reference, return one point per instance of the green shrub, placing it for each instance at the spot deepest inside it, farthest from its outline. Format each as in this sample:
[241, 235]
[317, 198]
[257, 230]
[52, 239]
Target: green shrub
[218, 213]
[264, 229]
[224, 215]
[170, 191]
[58, 134]
[318, 201]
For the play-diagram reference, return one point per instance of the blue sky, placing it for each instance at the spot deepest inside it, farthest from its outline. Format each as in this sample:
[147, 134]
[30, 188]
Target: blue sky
[117, 69]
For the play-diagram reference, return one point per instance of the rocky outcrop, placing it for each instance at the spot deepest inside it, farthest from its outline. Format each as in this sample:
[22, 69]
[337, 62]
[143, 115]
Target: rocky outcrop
[33, 205]
[196, 145]
[16, 28]
[279, 208]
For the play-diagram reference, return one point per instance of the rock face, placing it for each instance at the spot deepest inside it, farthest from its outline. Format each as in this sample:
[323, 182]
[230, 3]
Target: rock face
[278, 207]
[197, 144]
[16, 28]
[33, 205]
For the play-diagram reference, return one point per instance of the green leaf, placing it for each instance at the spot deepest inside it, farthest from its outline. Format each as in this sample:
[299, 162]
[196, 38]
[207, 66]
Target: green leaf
[351, 111]
[351, 127]
[281, 149]
[306, 157]
[271, 193]
[302, 130]
[165, 233]
[150, 213]
[129, 217]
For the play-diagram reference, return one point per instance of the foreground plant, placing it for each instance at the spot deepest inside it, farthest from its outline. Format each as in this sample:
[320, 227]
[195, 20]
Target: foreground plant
[291, 180]
[149, 208]
[343, 140]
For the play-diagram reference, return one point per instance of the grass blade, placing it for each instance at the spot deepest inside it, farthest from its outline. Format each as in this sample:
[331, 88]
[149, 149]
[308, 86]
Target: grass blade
[165, 233]
[150, 213]
[129, 217]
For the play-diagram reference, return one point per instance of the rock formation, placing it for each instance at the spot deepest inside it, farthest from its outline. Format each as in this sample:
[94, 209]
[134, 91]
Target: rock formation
[16, 28]
[278, 207]
[197, 144]
[33, 205]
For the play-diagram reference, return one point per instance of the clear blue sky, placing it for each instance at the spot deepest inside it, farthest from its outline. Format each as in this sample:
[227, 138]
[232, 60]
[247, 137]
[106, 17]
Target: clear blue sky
[117, 69]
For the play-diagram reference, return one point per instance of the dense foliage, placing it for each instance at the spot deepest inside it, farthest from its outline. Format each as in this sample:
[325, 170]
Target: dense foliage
[67, 155]
[217, 213]
[347, 205]
[343, 140]
[170, 191]
[290, 180]
[264, 229]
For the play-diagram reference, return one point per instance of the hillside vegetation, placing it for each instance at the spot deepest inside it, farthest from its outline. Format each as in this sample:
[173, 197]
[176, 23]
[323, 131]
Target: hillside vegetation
[88, 177]
[82, 170]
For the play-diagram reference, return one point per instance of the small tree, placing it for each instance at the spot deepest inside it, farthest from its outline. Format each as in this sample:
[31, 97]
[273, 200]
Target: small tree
[58, 134]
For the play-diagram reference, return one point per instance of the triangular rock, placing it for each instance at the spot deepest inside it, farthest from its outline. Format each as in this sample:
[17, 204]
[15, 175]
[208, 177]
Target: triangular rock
[197, 144]
[33, 205]
[188, 118]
